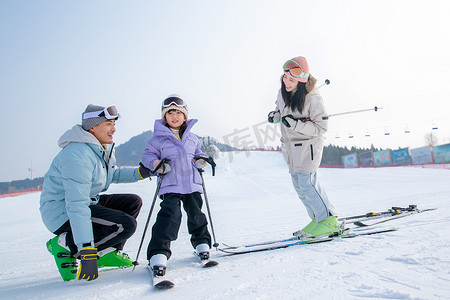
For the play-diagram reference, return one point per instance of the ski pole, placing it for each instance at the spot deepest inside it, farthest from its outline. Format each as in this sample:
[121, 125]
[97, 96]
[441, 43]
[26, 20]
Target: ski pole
[327, 82]
[393, 211]
[209, 160]
[207, 207]
[376, 108]
[165, 160]
[304, 119]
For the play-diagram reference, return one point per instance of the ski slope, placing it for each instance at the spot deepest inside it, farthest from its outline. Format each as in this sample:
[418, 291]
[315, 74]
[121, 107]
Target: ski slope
[252, 199]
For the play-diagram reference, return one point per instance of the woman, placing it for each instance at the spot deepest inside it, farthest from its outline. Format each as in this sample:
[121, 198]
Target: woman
[304, 120]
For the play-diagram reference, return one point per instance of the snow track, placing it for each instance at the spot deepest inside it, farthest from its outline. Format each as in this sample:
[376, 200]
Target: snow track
[252, 199]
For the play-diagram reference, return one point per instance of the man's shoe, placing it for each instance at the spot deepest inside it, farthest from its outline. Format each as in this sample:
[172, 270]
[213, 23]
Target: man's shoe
[66, 263]
[113, 258]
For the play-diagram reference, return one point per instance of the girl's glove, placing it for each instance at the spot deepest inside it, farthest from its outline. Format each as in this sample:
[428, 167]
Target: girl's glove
[274, 116]
[88, 267]
[161, 168]
[201, 162]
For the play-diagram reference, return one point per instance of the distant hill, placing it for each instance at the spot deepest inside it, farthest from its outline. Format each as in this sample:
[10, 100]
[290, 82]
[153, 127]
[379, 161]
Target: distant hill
[130, 153]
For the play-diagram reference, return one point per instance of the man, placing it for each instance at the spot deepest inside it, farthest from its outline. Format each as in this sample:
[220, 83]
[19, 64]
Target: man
[89, 226]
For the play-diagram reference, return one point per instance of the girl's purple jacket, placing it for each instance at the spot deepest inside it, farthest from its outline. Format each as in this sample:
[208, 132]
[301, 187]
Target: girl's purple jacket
[184, 177]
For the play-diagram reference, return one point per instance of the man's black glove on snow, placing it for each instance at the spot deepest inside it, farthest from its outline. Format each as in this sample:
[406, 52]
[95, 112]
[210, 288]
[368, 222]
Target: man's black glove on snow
[144, 172]
[88, 267]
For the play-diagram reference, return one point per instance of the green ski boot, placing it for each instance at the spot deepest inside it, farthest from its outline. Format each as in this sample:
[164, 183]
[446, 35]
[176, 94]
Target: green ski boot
[66, 263]
[327, 226]
[303, 232]
[114, 258]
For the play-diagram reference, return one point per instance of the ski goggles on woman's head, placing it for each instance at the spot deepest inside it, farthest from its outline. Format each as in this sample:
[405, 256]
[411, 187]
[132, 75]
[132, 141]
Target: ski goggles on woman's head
[173, 100]
[294, 69]
[110, 113]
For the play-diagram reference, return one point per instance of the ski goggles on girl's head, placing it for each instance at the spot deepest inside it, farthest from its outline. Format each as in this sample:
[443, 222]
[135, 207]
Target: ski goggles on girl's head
[173, 100]
[110, 113]
[294, 69]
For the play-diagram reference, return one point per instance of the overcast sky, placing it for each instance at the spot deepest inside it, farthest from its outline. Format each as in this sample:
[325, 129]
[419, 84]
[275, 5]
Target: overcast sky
[224, 58]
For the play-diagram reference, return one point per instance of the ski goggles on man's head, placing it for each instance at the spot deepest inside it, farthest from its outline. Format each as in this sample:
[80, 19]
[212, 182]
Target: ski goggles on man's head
[173, 100]
[294, 69]
[110, 113]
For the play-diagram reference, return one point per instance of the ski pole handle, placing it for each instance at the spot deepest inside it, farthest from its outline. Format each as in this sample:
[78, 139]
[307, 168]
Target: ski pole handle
[209, 160]
[161, 164]
[327, 82]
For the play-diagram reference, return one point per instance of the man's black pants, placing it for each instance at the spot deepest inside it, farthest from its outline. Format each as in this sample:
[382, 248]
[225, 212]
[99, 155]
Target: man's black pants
[113, 221]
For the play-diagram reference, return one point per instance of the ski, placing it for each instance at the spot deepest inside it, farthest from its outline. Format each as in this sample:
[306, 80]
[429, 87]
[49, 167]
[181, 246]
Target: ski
[359, 221]
[244, 250]
[159, 282]
[395, 210]
[387, 219]
[206, 263]
[292, 239]
[228, 246]
[265, 243]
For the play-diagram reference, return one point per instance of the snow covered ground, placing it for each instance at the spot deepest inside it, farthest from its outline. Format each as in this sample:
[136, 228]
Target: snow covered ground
[251, 200]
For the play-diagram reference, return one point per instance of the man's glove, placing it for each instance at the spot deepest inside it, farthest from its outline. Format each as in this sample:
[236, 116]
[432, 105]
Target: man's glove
[88, 266]
[143, 171]
[274, 116]
[161, 168]
[200, 162]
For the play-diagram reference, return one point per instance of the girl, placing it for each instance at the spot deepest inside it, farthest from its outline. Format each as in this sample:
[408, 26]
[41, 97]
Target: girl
[181, 183]
[304, 122]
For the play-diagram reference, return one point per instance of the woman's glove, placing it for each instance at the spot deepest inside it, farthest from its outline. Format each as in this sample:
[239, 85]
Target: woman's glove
[274, 116]
[88, 267]
[289, 121]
